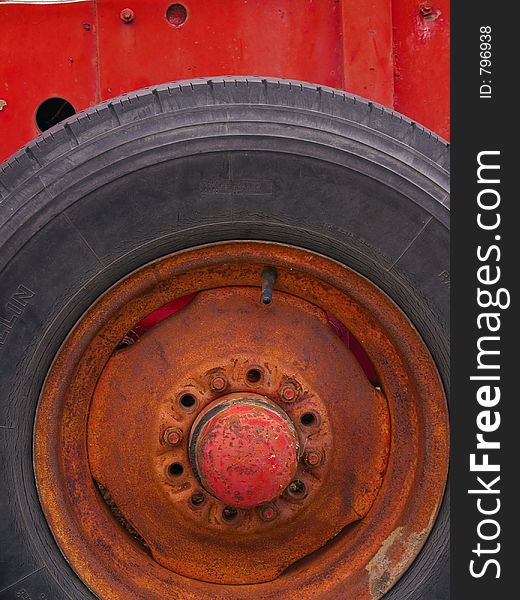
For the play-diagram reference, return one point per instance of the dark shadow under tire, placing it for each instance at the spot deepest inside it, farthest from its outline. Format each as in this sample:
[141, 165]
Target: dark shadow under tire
[186, 164]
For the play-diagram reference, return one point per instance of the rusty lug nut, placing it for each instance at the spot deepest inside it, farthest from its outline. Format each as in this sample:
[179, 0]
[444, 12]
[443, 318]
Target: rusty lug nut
[218, 383]
[289, 393]
[229, 513]
[198, 498]
[172, 436]
[127, 15]
[268, 512]
[312, 458]
[296, 489]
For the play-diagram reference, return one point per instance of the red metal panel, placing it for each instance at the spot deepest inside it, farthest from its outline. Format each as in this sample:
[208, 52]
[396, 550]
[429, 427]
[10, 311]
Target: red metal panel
[287, 38]
[395, 52]
[45, 51]
[367, 49]
[422, 61]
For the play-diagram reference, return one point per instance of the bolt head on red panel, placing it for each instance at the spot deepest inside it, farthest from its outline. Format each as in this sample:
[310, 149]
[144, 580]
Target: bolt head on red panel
[127, 15]
[244, 449]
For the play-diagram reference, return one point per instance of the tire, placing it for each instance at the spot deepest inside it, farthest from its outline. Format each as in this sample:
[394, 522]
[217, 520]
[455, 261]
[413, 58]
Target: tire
[189, 163]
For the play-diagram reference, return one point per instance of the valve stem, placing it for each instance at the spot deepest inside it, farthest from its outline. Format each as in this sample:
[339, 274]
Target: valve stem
[269, 276]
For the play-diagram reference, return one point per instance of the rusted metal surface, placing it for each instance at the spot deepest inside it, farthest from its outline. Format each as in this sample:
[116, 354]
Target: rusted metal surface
[260, 351]
[365, 558]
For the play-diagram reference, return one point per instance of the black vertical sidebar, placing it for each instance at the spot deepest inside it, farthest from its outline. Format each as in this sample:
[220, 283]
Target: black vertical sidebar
[485, 243]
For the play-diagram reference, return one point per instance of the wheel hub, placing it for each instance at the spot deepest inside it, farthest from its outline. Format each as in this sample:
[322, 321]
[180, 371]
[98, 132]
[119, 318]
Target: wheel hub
[229, 402]
[244, 450]
[115, 432]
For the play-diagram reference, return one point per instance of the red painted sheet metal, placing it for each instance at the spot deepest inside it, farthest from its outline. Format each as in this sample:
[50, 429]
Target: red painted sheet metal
[385, 50]
[45, 51]
[286, 38]
[422, 62]
[367, 49]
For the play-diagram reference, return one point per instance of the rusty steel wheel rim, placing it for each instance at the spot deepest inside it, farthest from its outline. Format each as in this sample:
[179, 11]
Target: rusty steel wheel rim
[127, 473]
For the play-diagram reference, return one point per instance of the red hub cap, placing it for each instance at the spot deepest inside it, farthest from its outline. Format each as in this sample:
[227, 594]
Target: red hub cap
[244, 450]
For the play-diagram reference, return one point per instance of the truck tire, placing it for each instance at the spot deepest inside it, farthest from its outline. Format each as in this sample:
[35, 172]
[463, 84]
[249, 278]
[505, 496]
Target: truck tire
[191, 163]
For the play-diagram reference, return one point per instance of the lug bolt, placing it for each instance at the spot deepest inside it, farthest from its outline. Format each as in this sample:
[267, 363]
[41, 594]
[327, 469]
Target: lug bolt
[198, 499]
[229, 513]
[268, 512]
[289, 393]
[172, 436]
[218, 383]
[312, 458]
[127, 15]
[296, 488]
